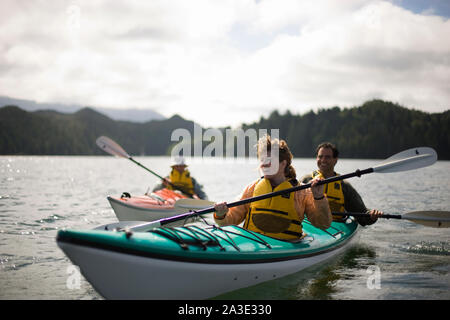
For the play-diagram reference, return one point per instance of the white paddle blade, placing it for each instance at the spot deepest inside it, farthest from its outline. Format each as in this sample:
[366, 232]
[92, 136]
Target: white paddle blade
[435, 219]
[193, 203]
[410, 159]
[111, 147]
[121, 225]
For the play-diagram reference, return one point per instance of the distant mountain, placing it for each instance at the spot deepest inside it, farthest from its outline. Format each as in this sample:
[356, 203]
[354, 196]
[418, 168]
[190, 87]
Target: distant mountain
[48, 132]
[134, 115]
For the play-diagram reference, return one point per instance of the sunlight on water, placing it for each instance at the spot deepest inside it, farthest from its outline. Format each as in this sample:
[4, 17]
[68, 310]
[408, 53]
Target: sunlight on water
[433, 248]
[41, 195]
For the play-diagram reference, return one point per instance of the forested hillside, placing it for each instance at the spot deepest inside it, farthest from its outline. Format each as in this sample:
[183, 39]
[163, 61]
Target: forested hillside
[377, 129]
[53, 133]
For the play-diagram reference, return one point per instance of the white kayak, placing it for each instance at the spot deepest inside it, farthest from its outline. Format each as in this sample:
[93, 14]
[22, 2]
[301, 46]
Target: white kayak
[157, 205]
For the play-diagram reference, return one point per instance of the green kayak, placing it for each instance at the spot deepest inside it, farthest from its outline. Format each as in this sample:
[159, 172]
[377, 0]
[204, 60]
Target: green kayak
[193, 262]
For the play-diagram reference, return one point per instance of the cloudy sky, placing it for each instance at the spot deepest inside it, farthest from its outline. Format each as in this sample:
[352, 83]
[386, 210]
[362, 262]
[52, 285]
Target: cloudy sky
[224, 62]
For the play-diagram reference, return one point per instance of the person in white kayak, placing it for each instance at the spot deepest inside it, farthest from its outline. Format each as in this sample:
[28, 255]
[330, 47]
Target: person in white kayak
[342, 197]
[280, 217]
[180, 179]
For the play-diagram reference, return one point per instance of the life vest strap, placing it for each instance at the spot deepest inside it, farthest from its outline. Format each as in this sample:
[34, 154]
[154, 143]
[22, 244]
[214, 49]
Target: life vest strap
[293, 233]
[272, 210]
[277, 217]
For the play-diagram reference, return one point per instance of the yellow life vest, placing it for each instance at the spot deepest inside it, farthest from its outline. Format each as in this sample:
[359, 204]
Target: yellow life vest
[275, 217]
[334, 193]
[182, 180]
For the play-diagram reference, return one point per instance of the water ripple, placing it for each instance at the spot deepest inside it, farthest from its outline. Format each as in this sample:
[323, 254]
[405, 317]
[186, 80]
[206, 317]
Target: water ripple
[430, 248]
[51, 219]
[10, 262]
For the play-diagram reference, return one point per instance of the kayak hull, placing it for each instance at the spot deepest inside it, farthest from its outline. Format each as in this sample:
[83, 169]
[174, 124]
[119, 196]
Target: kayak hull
[141, 278]
[148, 270]
[158, 205]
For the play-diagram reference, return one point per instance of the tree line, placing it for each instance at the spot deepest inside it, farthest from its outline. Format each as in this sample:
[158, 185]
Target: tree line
[54, 133]
[377, 129]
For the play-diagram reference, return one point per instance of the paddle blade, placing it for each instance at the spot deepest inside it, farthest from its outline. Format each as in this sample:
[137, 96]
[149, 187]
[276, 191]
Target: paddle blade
[111, 147]
[435, 219]
[194, 203]
[410, 159]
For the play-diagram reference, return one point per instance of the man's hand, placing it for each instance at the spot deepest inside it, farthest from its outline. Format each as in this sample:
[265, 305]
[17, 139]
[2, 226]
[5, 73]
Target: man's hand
[374, 214]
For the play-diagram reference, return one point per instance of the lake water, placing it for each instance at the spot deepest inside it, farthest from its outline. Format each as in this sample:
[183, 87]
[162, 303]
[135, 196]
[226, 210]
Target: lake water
[40, 195]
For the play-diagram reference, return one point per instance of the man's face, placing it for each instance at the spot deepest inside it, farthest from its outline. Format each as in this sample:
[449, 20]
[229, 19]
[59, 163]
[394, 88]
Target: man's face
[325, 160]
[179, 168]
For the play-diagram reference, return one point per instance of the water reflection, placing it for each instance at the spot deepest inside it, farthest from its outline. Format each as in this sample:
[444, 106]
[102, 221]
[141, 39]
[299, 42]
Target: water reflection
[316, 283]
[325, 284]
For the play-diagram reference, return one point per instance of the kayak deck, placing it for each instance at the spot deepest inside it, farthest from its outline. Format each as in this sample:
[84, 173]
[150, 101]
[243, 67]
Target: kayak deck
[163, 199]
[213, 245]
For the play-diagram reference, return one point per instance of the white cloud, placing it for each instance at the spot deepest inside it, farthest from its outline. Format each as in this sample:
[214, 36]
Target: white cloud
[223, 62]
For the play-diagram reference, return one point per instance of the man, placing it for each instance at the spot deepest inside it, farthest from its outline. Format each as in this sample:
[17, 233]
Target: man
[342, 197]
[180, 179]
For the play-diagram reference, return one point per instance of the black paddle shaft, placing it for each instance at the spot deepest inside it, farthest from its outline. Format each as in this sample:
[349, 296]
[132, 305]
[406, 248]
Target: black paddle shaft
[140, 165]
[360, 214]
[357, 173]
[174, 186]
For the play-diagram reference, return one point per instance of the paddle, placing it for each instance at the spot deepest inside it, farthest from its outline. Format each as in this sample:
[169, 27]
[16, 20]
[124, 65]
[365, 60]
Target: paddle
[406, 160]
[435, 219]
[110, 146]
[193, 203]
